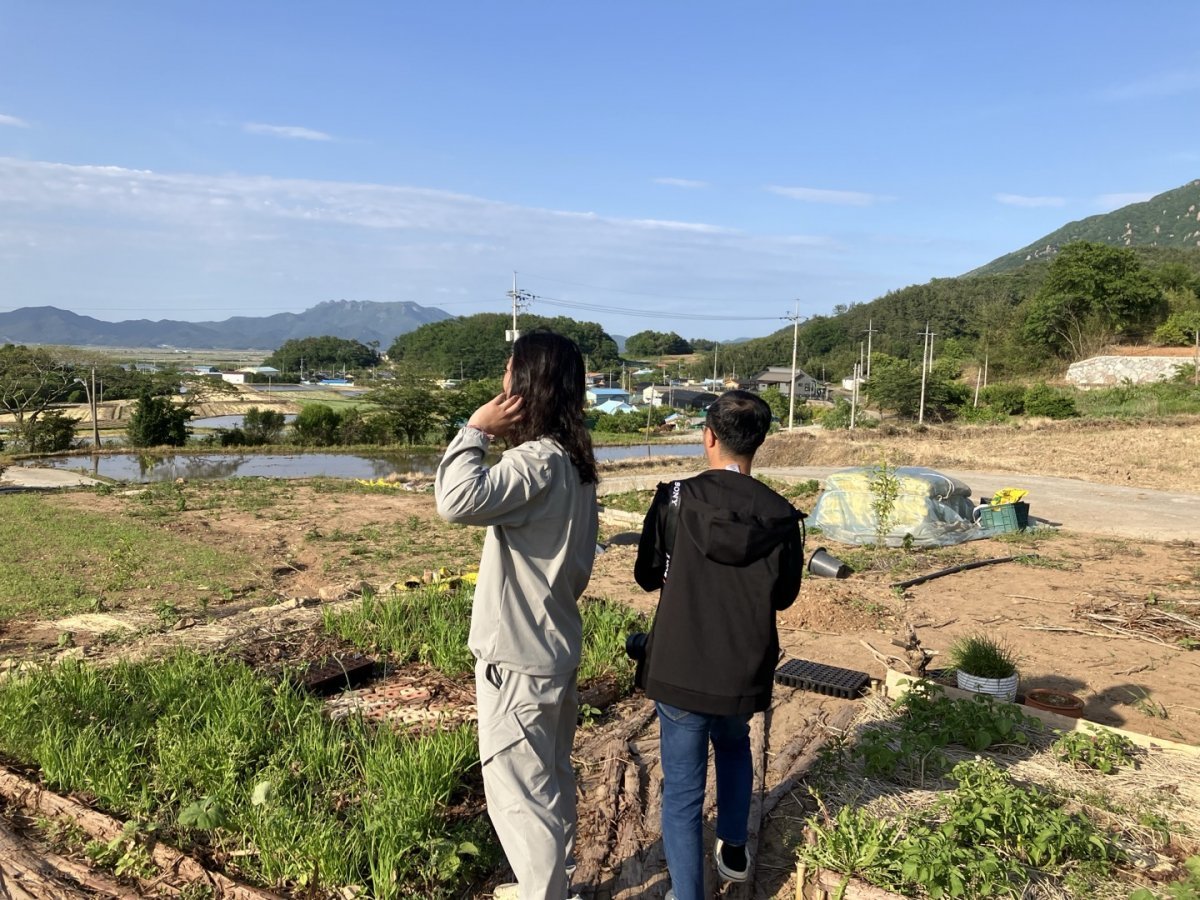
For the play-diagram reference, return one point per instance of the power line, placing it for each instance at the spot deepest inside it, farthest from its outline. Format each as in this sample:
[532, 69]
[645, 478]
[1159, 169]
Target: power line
[610, 290]
[648, 314]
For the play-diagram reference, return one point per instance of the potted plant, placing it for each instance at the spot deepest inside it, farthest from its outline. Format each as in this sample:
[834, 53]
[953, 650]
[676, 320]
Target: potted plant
[985, 665]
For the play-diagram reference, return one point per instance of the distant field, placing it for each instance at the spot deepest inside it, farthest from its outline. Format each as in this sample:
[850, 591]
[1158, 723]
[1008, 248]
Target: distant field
[183, 358]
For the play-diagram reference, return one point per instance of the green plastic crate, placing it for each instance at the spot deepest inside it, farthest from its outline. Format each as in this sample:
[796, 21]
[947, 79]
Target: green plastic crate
[1005, 518]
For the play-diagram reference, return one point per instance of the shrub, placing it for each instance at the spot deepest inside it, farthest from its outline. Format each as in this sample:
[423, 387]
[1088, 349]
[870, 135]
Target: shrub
[1043, 400]
[839, 416]
[262, 426]
[157, 422]
[317, 425]
[1007, 398]
[48, 433]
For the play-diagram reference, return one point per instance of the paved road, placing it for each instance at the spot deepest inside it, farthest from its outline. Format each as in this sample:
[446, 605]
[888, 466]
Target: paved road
[33, 478]
[1078, 505]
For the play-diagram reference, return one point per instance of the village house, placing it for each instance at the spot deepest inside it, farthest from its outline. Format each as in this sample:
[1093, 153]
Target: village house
[780, 378]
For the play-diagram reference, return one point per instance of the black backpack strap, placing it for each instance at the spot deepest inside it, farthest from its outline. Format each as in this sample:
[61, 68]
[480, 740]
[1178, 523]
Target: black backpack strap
[672, 523]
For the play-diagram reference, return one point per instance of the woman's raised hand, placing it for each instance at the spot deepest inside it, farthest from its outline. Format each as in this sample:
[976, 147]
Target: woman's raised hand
[498, 415]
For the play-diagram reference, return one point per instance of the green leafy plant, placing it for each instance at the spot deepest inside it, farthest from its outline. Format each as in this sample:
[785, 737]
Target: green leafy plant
[588, 714]
[204, 814]
[1103, 751]
[125, 854]
[979, 840]
[983, 657]
[885, 490]
[927, 721]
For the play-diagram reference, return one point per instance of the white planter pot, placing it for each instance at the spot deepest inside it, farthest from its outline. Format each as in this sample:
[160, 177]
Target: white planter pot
[1000, 688]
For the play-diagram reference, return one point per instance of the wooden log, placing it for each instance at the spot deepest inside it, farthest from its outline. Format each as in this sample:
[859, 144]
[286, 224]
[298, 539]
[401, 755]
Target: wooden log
[626, 847]
[32, 872]
[22, 792]
[832, 726]
[612, 747]
[783, 760]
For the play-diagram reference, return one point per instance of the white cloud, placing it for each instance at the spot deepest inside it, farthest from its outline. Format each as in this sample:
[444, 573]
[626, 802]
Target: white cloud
[1116, 201]
[696, 227]
[1165, 84]
[1029, 202]
[292, 132]
[689, 183]
[836, 198]
[13, 121]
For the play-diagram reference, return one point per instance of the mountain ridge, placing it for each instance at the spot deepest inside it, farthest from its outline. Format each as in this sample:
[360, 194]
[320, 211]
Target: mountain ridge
[361, 320]
[1169, 219]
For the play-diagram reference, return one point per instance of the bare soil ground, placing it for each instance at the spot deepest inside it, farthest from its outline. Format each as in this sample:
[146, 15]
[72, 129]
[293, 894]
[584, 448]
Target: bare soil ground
[1090, 614]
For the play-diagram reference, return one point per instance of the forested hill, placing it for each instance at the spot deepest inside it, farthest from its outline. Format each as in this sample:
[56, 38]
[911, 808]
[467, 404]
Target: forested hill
[358, 320]
[1171, 219]
[974, 316]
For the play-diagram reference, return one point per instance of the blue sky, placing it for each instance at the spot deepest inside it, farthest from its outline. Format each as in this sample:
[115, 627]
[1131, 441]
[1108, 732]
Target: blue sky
[697, 167]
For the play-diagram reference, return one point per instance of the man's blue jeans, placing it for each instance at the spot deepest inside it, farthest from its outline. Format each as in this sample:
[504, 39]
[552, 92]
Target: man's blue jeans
[684, 752]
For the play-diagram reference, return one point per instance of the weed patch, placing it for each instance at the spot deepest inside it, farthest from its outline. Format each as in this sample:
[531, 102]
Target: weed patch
[58, 560]
[431, 626]
[212, 757]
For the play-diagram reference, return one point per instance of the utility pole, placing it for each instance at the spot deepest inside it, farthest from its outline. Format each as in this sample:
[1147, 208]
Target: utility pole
[95, 420]
[794, 318]
[854, 380]
[870, 334]
[926, 363]
[90, 392]
[520, 300]
[716, 349]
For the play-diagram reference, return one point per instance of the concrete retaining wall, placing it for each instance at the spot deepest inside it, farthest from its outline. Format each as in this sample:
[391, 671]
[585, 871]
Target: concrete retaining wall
[1103, 371]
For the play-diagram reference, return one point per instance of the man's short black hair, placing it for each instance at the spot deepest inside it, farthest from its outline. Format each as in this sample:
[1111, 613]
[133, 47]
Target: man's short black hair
[740, 420]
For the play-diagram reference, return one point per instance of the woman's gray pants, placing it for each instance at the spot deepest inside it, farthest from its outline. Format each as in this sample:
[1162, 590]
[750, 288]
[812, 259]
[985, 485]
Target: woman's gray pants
[526, 730]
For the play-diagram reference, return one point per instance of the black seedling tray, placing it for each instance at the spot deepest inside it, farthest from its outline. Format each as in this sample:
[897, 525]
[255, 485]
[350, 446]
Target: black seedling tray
[823, 679]
[337, 673]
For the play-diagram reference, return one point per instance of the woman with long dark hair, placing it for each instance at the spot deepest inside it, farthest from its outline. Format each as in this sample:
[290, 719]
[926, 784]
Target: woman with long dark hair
[539, 502]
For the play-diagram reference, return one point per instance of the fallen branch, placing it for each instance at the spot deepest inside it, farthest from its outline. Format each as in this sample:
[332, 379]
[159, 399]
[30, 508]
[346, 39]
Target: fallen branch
[1062, 629]
[921, 579]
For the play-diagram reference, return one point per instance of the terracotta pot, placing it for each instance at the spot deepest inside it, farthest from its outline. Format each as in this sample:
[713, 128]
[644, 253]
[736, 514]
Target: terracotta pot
[1055, 701]
[1000, 688]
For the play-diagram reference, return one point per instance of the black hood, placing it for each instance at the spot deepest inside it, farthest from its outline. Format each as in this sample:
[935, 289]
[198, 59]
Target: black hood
[732, 538]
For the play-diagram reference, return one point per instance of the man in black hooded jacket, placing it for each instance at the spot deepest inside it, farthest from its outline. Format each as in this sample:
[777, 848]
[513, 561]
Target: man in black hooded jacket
[727, 553]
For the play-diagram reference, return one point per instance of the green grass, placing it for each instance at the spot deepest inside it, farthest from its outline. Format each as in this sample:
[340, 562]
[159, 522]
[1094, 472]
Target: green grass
[1138, 401]
[58, 560]
[431, 626]
[205, 753]
[628, 501]
[794, 490]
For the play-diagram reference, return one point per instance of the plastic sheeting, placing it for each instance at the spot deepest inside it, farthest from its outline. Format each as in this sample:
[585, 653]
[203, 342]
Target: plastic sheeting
[930, 510]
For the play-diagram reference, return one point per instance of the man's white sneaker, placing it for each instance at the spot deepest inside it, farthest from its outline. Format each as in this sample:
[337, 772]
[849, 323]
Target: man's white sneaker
[732, 862]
